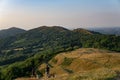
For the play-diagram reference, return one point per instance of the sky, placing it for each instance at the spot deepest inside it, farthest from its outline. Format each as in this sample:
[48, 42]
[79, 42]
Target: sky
[28, 14]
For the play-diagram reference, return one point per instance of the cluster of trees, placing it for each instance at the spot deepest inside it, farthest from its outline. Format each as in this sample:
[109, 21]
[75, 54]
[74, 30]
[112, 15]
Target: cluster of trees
[25, 68]
[109, 42]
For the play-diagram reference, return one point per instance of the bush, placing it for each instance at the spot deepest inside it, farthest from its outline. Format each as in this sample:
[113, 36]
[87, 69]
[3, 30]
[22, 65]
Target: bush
[67, 61]
[54, 60]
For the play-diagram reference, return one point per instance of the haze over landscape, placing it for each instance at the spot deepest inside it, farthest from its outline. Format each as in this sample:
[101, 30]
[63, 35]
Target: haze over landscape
[59, 39]
[28, 14]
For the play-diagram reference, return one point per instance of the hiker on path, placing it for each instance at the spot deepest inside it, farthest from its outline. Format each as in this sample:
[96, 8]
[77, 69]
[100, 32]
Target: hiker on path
[47, 71]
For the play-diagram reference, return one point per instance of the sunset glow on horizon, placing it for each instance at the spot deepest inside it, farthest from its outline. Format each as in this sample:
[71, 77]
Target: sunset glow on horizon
[29, 14]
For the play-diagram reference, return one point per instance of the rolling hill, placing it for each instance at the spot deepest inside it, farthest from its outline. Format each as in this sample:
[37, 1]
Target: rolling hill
[20, 53]
[84, 64]
[10, 32]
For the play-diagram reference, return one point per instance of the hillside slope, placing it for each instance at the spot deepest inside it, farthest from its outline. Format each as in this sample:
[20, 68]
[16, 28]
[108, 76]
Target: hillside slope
[85, 64]
[84, 31]
[41, 44]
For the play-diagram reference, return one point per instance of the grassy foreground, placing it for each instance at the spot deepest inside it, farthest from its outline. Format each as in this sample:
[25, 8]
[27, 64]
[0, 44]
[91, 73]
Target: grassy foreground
[84, 64]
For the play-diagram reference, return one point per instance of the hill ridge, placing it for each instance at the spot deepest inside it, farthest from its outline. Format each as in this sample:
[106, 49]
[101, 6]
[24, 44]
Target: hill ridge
[11, 32]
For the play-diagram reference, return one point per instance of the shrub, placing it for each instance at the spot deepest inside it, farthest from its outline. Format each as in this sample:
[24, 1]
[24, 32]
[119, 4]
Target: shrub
[54, 60]
[67, 61]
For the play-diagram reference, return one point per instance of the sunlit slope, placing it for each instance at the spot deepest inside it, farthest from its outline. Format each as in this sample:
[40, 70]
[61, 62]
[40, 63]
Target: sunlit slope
[85, 64]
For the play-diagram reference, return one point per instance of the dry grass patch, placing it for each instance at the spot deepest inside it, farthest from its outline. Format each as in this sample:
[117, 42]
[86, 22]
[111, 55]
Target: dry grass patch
[85, 64]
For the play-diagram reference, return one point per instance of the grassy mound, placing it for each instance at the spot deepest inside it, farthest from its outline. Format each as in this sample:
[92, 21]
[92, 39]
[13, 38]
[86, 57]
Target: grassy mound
[85, 64]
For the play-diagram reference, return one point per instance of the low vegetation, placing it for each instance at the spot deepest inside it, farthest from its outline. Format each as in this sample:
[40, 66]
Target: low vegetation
[85, 64]
[22, 53]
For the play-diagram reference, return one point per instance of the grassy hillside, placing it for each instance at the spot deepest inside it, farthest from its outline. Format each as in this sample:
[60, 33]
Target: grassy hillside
[85, 64]
[19, 54]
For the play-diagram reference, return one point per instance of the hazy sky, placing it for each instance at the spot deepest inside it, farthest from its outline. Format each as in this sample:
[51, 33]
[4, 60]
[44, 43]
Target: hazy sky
[29, 14]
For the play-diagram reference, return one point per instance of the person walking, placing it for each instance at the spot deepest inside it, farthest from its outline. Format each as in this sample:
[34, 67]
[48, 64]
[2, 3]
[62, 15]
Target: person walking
[47, 71]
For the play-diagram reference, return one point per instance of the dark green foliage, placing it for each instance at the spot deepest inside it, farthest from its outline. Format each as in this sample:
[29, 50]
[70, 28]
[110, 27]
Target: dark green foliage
[22, 68]
[54, 60]
[67, 61]
[68, 71]
[10, 32]
[22, 53]
[39, 73]
[25, 68]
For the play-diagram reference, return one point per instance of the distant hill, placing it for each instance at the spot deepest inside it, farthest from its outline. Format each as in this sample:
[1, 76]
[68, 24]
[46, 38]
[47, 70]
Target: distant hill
[84, 31]
[107, 30]
[10, 32]
[54, 28]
